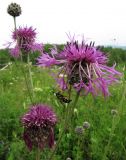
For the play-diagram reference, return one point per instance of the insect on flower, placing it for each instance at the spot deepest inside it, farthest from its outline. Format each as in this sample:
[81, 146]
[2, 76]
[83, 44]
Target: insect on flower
[83, 66]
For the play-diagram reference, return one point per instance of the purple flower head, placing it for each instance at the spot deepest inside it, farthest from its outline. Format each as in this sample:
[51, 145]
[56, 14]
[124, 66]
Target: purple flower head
[85, 66]
[38, 126]
[25, 39]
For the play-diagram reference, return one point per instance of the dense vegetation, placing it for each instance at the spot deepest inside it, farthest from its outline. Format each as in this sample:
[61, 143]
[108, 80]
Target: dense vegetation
[107, 131]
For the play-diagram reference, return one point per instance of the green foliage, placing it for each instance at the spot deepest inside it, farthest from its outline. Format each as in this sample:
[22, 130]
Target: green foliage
[116, 55]
[14, 102]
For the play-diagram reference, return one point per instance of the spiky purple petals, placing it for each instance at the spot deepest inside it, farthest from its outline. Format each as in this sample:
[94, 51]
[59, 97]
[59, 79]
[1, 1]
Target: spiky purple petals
[85, 67]
[39, 125]
[46, 61]
[25, 39]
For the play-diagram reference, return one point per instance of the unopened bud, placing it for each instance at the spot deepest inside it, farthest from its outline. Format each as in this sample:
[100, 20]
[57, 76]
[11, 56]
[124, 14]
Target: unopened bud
[86, 125]
[114, 112]
[14, 9]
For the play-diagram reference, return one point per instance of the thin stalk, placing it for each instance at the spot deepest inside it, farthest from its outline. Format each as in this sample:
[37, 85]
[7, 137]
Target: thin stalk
[66, 121]
[26, 82]
[78, 144]
[15, 28]
[110, 139]
[57, 145]
[74, 106]
[116, 120]
[30, 76]
[25, 77]
[38, 154]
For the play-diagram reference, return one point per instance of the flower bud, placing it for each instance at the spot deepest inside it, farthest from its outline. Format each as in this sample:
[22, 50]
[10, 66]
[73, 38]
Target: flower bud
[79, 130]
[114, 112]
[14, 9]
[86, 125]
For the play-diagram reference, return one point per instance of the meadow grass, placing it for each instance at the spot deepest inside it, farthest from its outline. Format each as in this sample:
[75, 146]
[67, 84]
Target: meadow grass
[104, 140]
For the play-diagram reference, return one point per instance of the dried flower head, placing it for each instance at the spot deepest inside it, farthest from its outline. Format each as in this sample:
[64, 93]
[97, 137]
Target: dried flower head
[25, 39]
[86, 125]
[79, 130]
[14, 9]
[85, 66]
[39, 125]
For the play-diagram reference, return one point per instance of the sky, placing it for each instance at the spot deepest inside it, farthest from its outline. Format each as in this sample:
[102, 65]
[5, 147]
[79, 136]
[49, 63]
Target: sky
[102, 21]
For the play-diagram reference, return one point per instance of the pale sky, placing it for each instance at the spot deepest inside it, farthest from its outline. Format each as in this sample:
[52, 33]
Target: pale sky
[102, 21]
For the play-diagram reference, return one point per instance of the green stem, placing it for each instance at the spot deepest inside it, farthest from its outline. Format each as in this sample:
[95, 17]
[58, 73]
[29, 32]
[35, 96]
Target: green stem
[66, 121]
[110, 139]
[78, 144]
[115, 122]
[22, 69]
[30, 76]
[73, 107]
[38, 154]
[26, 82]
[15, 28]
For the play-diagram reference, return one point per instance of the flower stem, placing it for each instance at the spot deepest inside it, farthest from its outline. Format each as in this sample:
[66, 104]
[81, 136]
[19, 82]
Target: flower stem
[25, 78]
[38, 154]
[66, 121]
[15, 27]
[22, 69]
[115, 122]
[73, 107]
[30, 76]
[110, 139]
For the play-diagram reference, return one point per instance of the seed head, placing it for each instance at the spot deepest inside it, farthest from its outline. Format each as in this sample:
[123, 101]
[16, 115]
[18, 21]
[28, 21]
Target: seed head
[86, 125]
[14, 10]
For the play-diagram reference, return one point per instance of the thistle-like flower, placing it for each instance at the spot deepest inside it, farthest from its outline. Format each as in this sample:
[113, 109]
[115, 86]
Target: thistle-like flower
[85, 66]
[14, 9]
[25, 39]
[39, 125]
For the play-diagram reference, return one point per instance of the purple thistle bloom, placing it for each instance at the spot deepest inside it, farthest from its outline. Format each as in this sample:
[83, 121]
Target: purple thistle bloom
[25, 41]
[38, 126]
[85, 66]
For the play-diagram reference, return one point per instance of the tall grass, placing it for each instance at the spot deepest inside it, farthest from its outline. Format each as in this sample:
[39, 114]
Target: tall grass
[105, 139]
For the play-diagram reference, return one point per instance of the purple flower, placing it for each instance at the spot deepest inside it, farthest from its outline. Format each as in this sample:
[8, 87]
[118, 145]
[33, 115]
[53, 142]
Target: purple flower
[85, 66]
[62, 83]
[39, 125]
[46, 61]
[25, 39]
